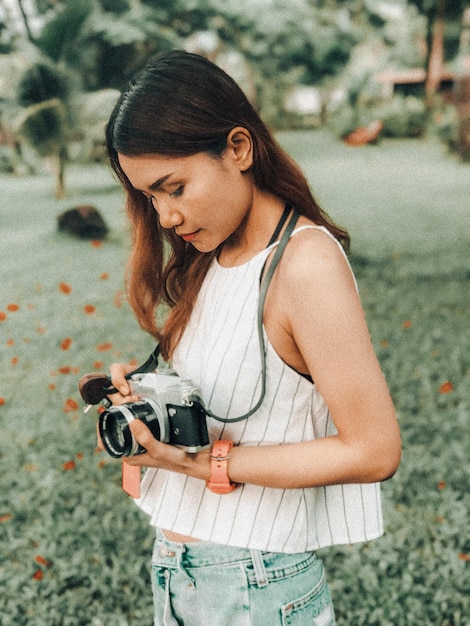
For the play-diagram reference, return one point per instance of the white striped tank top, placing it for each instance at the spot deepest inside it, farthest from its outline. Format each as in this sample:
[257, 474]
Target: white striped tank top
[219, 351]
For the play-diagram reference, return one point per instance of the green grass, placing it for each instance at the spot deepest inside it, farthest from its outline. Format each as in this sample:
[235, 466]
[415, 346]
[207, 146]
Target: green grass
[406, 205]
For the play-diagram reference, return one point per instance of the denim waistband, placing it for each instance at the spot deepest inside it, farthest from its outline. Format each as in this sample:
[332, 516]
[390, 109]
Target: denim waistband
[261, 567]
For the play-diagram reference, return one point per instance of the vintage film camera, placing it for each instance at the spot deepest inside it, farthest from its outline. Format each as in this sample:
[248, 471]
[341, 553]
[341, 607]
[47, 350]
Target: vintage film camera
[170, 406]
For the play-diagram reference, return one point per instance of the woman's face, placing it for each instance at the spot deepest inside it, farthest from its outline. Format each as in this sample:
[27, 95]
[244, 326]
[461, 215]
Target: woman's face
[204, 199]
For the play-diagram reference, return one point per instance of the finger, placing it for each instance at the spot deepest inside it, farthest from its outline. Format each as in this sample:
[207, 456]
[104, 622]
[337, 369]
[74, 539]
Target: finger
[118, 377]
[118, 398]
[99, 445]
[143, 435]
[154, 448]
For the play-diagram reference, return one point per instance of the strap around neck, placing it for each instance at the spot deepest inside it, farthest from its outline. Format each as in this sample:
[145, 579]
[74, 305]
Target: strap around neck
[280, 224]
[152, 361]
[262, 297]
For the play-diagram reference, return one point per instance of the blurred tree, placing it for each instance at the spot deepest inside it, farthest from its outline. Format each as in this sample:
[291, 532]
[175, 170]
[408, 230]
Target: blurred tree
[60, 37]
[45, 121]
[440, 16]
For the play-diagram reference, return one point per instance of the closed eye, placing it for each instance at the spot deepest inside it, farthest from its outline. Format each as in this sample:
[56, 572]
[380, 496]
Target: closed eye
[178, 192]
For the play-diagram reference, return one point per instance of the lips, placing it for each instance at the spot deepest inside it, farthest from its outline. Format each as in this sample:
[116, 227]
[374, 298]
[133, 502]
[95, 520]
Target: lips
[188, 236]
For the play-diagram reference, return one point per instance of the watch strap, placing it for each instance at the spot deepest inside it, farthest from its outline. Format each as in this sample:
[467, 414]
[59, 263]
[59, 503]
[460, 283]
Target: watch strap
[219, 482]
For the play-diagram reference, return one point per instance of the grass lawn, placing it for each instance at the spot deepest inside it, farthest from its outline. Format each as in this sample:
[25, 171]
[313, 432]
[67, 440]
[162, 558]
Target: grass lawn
[74, 550]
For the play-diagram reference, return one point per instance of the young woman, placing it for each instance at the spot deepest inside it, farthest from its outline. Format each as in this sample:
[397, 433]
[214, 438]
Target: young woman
[208, 190]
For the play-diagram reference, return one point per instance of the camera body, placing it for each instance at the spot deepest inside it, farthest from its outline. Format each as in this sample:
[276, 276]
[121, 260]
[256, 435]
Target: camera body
[171, 408]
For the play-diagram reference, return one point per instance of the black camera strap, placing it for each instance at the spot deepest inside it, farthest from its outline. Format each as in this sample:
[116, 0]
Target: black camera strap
[265, 282]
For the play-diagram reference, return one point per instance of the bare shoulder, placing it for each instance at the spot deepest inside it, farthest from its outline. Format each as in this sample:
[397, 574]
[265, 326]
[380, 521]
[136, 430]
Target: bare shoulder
[314, 256]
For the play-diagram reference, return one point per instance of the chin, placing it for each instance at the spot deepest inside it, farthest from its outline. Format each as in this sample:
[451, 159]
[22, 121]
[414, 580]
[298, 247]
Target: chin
[201, 247]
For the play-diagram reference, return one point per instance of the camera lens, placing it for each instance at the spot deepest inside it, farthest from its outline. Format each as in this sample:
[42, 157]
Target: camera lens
[115, 433]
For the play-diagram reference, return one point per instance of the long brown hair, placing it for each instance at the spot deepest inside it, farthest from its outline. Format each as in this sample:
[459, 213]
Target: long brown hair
[181, 104]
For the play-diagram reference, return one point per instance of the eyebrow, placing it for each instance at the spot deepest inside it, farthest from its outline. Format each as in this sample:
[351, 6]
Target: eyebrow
[159, 182]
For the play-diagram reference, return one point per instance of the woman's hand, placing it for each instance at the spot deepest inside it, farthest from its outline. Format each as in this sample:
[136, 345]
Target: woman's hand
[158, 454]
[118, 373]
[119, 381]
[166, 456]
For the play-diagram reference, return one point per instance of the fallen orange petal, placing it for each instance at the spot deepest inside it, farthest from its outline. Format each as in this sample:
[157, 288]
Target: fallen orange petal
[103, 347]
[5, 518]
[89, 309]
[96, 243]
[3, 316]
[65, 288]
[66, 343]
[38, 575]
[42, 561]
[407, 324]
[464, 557]
[104, 276]
[446, 387]
[2, 401]
[70, 404]
[65, 369]
[13, 307]
[118, 296]
[69, 465]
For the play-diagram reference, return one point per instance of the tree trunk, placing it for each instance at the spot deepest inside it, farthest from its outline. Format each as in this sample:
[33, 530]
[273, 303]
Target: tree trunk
[436, 53]
[61, 163]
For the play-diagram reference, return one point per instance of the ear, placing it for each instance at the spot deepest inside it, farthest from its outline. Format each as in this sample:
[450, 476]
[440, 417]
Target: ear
[240, 144]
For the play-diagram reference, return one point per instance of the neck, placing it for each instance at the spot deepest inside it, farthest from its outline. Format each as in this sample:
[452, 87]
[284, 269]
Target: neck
[254, 232]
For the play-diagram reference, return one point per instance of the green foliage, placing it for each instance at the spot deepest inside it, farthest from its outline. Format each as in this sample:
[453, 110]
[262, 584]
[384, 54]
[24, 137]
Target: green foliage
[42, 81]
[115, 6]
[445, 124]
[44, 127]
[418, 574]
[283, 44]
[59, 36]
[402, 116]
[46, 121]
[115, 46]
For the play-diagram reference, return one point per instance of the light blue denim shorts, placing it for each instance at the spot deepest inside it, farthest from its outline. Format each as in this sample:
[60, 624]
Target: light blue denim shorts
[207, 584]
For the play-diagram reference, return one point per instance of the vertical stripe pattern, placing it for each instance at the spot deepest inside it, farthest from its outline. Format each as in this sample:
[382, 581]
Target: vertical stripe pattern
[219, 351]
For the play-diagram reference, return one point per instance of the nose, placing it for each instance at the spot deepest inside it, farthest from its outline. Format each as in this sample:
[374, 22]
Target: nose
[168, 214]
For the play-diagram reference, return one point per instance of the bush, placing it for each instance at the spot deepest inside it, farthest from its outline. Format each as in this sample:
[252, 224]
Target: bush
[403, 116]
[445, 124]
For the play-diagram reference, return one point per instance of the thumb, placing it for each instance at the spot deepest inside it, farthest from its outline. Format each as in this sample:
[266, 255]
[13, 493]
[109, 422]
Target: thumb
[142, 433]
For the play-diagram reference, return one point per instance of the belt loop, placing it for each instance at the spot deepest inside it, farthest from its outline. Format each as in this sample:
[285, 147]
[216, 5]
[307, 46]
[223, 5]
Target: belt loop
[180, 550]
[259, 568]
